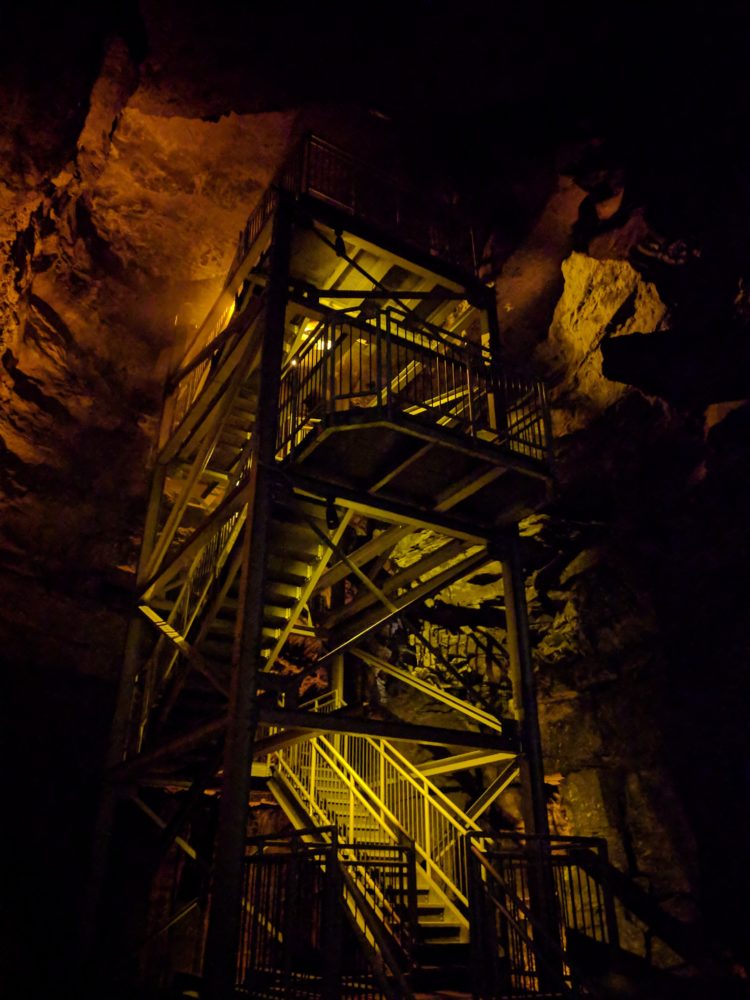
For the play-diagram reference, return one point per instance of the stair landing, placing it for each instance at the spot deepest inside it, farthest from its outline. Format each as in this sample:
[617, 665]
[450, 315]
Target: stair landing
[392, 460]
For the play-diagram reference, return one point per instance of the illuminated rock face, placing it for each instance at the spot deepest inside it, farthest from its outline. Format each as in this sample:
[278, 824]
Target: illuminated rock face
[110, 258]
[600, 298]
[124, 183]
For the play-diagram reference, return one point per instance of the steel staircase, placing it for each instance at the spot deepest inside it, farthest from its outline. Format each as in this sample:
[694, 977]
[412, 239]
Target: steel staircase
[384, 387]
[375, 798]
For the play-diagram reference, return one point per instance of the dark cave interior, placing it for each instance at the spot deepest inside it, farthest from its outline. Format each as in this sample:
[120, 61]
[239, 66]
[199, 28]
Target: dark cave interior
[602, 157]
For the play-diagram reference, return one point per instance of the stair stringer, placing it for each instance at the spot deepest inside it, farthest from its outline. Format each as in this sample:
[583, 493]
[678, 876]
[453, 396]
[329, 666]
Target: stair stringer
[304, 811]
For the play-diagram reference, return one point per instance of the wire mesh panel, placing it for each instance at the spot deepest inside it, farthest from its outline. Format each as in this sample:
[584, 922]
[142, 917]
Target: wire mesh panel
[385, 876]
[356, 187]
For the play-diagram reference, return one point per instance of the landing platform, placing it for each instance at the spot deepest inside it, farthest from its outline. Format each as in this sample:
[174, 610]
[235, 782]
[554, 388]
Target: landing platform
[427, 468]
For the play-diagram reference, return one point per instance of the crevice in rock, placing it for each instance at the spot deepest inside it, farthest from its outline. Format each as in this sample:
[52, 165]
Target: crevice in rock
[28, 389]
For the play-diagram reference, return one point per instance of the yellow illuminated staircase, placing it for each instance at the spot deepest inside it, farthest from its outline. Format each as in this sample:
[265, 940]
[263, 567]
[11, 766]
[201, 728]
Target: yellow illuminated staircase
[387, 417]
[375, 798]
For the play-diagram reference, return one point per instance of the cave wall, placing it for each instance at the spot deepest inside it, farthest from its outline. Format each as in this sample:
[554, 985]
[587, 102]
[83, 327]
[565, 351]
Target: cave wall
[134, 143]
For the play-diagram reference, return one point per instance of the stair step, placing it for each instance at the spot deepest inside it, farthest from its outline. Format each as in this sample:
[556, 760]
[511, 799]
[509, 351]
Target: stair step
[232, 437]
[275, 617]
[288, 578]
[287, 520]
[214, 649]
[306, 546]
[221, 627]
[241, 417]
[283, 594]
[442, 953]
[290, 566]
[299, 508]
[431, 931]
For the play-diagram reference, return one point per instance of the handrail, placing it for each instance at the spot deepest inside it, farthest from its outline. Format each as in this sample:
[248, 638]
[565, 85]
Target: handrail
[339, 767]
[318, 169]
[581, 872]
[400, 801]
[458, 819]
[388, 368]
[540, 958]
[356, 903]
[329, 701]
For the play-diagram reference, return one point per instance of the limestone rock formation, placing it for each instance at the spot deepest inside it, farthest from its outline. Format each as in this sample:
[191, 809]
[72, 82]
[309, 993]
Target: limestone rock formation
[600, 298]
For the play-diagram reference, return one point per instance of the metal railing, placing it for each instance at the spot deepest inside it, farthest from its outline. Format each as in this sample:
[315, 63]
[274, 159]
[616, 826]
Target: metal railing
[281, 952]
[426, 815]
[309, 929]
[196, 591]
[320, 170]
[188, 382]
[203, 363]
[371, 793]
[355, 371]
[385, 878]
[520, 955]
[377, 801]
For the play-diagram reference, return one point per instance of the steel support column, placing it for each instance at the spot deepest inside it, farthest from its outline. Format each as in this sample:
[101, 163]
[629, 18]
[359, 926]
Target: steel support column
[224, 919]
[524, 686]
[531, 762]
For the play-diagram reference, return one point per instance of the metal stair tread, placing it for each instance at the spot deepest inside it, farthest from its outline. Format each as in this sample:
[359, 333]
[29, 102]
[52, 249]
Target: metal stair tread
[290, 547]
[286, 566]
[287, 578]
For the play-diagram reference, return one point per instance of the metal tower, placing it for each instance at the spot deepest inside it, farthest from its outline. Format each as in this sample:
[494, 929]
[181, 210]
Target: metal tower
[340, 443]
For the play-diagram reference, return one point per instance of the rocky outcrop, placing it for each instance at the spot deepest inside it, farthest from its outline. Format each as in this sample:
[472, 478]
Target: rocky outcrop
[600, 299]
[109, 258]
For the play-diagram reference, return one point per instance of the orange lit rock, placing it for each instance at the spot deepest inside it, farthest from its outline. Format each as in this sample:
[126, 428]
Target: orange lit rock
[600, 298]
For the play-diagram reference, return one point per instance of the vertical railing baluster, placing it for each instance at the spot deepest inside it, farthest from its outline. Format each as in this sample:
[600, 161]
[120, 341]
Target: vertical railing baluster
[329, 335]
[388, 320]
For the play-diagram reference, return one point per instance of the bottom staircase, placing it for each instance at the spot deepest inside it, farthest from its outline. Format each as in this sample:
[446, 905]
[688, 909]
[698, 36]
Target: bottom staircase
[387, 891]
[385, 816]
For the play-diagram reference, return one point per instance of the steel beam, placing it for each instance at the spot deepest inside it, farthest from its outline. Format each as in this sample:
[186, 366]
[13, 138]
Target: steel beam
[506, 777]
[462, 761]
[465, 708]
[134, 767]
[524, 684]
[380, 543]
[224, 917]
[155, 818]
[542, 886]
[383, 509]
[376, 618]
[308, 588]
[439, 557]
[441, 294]
[397, 731]
[184, 647]
[228, 506]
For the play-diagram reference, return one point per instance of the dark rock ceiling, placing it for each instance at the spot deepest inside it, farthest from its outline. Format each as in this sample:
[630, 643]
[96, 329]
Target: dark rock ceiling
[602, 150]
